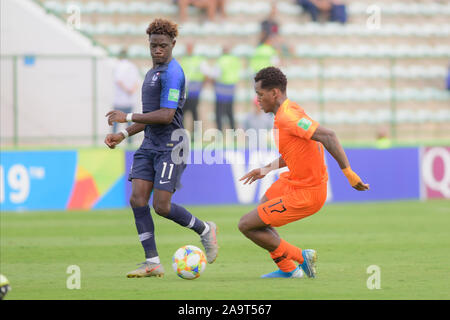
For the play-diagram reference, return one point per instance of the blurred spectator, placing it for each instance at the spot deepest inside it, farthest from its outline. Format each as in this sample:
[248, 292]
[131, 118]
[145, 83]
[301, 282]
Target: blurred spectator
[383, 141]
[265, 55]
[327, 10]
[210, 6]
[258, 120]
[269, 26]
[126, 84]
[314, 7]
[221, 8]
[270, 29]
[195, 69]
[338, 11]
[226, 74]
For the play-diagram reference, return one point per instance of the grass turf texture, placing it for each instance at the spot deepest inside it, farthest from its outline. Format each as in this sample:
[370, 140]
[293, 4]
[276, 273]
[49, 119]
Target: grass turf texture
[409, 241]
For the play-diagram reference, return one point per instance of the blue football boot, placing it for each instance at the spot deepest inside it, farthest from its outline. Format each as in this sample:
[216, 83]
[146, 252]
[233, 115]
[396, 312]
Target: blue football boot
[309, 263]
[296, 273]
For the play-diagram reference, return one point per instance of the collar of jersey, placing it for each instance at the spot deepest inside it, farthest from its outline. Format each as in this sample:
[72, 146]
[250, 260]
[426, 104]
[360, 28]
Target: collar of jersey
[283, 105]
[163, 65]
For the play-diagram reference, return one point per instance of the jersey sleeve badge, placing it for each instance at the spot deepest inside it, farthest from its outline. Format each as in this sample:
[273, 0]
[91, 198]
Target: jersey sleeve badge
[174, 95]
[304, 123]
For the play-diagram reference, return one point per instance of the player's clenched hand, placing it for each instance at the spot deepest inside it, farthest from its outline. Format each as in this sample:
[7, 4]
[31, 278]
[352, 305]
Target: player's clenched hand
[116, 116]
[113, 139]
[361, 186]
[254, 175]
[354, 180]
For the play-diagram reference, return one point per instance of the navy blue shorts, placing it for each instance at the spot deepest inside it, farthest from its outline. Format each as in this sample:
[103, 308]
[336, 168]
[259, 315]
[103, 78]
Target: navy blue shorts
[158, 167]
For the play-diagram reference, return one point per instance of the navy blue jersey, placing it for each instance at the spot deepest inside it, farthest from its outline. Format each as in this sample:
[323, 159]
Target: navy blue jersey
[163, 87]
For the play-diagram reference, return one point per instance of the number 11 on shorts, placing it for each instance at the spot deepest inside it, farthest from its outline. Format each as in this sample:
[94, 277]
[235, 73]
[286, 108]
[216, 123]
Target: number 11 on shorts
[171, 165]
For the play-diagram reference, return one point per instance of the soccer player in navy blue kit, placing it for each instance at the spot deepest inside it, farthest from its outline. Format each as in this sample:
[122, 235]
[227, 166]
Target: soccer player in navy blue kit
[153, 169]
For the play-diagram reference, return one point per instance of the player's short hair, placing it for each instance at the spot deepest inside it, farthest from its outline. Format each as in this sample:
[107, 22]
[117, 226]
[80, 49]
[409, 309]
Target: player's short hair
[163, 26]
[271, 77]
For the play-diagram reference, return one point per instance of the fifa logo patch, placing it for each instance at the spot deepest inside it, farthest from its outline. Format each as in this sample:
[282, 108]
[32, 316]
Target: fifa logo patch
[174, 95]
[304, 123]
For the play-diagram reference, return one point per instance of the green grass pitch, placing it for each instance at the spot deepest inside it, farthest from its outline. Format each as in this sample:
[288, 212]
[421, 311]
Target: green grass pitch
[409, 241]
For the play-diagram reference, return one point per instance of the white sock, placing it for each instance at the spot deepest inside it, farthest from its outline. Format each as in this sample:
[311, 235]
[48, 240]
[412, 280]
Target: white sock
[154, 260]
[206, 229]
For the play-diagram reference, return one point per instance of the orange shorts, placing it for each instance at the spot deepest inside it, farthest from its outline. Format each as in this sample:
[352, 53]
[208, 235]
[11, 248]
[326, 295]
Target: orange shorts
[288, 203]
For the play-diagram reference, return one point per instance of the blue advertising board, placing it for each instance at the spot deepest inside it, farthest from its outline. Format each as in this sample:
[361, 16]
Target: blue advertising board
[36, 179]
[392, 174]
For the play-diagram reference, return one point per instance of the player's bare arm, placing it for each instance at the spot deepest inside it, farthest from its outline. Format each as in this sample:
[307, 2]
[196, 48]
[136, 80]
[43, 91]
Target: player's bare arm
[260, 173]
[160, 116]
[113, 139]
[330, 141]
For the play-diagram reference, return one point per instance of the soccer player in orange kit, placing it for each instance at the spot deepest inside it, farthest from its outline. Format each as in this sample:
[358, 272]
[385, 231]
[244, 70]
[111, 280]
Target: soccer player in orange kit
[299, 192]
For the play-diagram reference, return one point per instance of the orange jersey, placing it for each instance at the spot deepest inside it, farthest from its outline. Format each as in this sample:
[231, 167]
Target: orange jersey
[303, 156]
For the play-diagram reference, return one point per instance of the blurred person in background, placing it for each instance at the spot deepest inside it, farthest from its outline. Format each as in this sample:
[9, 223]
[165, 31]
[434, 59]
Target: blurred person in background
[221, 4]
[338, 11]
[258, 120]
[270, 26]
[196, 70]
[210, 6]
[226, 75]
[265, 55]
[325, 10]
[270, 29]
[126, 84]
[383, 141]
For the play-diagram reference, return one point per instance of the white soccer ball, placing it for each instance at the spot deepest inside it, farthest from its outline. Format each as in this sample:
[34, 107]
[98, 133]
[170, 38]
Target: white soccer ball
[189, 262]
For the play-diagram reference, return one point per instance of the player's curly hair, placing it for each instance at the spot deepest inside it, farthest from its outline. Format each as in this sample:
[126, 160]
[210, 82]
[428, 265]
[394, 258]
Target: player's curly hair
[163, 26]
[272, 77]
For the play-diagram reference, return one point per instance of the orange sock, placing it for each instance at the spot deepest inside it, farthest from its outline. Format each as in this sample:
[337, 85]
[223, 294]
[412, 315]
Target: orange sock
[286, 265]
[289, 252]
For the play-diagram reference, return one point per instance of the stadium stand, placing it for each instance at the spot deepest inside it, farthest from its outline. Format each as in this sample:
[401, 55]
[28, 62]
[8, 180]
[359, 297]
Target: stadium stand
[342, 74]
